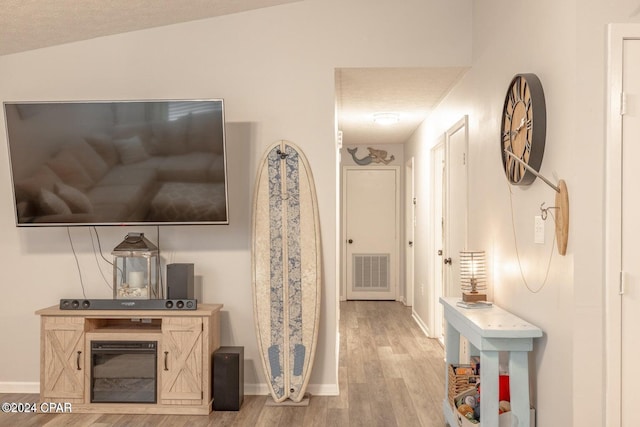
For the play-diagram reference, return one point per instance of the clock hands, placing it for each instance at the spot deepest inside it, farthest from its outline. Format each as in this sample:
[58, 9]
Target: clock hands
[511, 133]
[522, 123]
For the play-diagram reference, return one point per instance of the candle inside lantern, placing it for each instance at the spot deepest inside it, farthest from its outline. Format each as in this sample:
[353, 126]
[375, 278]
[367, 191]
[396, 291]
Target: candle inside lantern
[136, 279]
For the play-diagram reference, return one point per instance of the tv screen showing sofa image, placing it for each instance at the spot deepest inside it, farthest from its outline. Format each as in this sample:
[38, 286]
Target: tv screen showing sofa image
[118, 163]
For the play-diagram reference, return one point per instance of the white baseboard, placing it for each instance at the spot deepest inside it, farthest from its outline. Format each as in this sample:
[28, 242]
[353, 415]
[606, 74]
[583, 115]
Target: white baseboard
[421, 324]
[249, 389]
[19, 387]
[323, 389]
[313, 389]
[255, 389]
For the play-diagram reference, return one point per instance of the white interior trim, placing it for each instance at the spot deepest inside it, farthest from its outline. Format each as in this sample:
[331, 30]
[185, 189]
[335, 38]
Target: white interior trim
[617, 33]
[423, 326]
[460, 125]
[437, 242]
[409, 225]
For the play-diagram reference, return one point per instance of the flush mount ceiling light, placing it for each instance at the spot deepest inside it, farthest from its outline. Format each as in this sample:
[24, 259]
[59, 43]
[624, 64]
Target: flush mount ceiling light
[386, 118]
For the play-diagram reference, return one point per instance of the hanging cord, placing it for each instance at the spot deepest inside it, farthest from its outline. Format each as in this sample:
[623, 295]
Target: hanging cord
[95, 255]
[84, 295]
[161, 285]
[515, 242]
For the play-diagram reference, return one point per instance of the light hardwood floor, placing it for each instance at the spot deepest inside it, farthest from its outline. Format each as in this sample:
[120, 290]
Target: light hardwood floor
[390, 375]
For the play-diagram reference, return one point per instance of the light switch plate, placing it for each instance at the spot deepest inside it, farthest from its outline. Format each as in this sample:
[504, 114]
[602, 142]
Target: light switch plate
[538, 233]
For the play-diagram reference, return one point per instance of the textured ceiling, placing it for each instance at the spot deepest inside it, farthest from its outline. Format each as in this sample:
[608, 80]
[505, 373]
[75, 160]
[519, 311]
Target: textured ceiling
[32, 24]
[412, 93]
[360, 92]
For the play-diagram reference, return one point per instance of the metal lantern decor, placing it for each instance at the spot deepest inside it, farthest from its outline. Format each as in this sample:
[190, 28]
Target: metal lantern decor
[136, 268]
[473, 275]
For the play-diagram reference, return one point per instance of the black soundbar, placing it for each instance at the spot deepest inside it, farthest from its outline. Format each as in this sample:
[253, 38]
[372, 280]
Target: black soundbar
[128, 304]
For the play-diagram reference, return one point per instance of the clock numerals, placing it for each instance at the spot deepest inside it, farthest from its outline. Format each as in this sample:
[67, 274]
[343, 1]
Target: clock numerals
[514, 170]
[524, 90]
[512, 100]
[506, 138]
[517, 90]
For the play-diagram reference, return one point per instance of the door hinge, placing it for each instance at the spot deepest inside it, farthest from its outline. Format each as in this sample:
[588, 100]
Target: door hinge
[623, 103]
[464, 159]
[621, 285]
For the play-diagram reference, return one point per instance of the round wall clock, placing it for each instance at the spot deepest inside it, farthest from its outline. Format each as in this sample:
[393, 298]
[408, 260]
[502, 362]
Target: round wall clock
[524, 128]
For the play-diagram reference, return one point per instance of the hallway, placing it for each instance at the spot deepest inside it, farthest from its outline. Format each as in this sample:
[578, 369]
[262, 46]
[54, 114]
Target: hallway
[390, 372]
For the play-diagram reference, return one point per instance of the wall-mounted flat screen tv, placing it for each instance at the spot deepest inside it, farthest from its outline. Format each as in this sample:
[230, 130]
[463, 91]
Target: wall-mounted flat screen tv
[118, 163]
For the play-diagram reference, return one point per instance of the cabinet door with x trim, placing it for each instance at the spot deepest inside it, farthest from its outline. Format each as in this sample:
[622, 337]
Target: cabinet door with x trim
[181, 358]
[62, 371]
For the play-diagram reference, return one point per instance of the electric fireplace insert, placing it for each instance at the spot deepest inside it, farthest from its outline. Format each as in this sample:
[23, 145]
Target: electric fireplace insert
[124, 371]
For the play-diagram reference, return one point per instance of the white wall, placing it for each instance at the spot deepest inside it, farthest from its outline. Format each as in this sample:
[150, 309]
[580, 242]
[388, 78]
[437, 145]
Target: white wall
[275, 69]
[419, 146]
[564, 43]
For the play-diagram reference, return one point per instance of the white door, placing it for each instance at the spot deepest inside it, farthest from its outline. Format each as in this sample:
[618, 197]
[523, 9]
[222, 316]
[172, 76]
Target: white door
[437, 231]
[456, 200]
[622, 284]
[455, 213]
[371, 224]
[630, 310]
[410, 223]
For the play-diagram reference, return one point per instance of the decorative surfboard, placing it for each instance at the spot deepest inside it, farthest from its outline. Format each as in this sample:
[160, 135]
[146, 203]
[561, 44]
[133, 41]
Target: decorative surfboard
[286, 261]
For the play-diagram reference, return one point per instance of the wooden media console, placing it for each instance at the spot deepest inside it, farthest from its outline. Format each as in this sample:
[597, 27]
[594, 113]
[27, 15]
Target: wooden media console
[185, 341]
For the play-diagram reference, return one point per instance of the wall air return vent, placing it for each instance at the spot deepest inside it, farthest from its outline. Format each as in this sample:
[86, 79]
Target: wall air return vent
[371, 272]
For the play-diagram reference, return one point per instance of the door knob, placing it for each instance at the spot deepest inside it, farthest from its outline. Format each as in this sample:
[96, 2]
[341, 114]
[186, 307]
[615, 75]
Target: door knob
[350, 241]
[447, 260]
[410, 243]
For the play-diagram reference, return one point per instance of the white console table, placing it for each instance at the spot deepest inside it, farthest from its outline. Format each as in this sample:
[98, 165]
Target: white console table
[490, 331]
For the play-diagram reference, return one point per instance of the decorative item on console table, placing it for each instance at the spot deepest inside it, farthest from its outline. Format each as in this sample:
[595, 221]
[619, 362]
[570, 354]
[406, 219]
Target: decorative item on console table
[136, 268]
[473, 275]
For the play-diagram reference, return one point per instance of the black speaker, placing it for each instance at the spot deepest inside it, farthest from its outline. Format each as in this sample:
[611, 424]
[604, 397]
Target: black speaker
[228, 378]
[180, 281]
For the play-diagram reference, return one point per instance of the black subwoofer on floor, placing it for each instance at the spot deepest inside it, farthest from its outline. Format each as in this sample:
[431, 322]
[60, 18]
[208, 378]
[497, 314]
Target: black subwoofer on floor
[228, 378]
